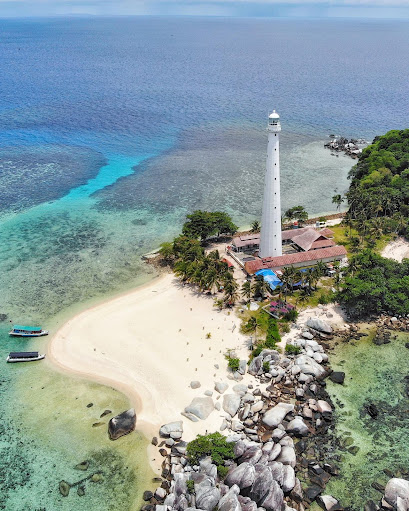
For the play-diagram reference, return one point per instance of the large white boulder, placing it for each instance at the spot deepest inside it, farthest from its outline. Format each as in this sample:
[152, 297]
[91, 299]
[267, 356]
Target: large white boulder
[397, 494]
[309, 366]
[231, 403]
[201, 407]
[273, 417]
[320, 325]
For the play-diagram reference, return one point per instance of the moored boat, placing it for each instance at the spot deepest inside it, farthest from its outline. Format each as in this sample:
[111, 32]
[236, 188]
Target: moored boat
[27, 331]
[24, 356]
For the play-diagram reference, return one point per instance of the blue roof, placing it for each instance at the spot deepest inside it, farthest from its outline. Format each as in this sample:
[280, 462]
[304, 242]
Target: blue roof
[29, 328]
[270, 277]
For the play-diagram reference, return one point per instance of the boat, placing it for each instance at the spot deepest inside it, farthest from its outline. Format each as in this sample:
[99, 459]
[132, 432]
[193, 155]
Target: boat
[27, 331]
[24, 356]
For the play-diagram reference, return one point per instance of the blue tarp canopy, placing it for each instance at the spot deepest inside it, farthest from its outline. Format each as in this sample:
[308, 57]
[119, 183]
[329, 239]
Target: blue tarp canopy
[270, 277]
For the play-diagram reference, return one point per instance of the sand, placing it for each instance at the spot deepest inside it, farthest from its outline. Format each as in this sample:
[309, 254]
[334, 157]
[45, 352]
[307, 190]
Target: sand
[397, 250]
[150, 344]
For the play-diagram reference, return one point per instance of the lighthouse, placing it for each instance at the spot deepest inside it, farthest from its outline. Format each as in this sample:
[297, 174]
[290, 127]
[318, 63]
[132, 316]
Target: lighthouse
[270, 239]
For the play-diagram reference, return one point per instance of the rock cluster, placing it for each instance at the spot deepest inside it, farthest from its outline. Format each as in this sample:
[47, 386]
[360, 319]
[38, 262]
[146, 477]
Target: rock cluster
[274, 428]
[349, 147]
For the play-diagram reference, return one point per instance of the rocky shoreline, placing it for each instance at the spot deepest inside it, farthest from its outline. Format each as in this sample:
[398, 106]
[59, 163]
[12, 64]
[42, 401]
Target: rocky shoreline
[282, 430]
[285, 447]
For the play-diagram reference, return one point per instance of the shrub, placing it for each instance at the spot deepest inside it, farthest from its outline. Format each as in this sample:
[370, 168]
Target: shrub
[290, 349]
[190, 486]
[285, 327]
[213, 445]
[326, 298]
[208, 335]
[234, 364]
[291, 315]
[273, 335]
[222, 471]
[266, 367]
[258, 350]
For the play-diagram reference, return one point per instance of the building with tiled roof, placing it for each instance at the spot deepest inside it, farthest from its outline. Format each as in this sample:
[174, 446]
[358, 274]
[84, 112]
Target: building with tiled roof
[297, 260]
[304, 234]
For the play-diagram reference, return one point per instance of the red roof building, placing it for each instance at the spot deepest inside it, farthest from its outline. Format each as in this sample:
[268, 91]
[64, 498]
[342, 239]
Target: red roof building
[298, 260]
[303, 238]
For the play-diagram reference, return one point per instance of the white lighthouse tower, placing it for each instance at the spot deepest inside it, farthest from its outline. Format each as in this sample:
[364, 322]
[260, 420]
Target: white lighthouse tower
[270, 240]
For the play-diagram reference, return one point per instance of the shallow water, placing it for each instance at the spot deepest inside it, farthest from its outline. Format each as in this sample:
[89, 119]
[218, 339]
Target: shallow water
[374, 374]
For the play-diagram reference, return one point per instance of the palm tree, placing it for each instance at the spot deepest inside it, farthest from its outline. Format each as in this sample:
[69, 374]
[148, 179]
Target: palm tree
[230, 292]
[218, 303]
[251, 326]
[211, 279]
[255, 226]
[289, 277]
[320, 268]
[261, 287]
[338, 200]
[247, 290]
[310, 279]
[181, 269]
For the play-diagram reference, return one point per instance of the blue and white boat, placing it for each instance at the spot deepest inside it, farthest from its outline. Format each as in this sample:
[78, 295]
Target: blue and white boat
[27, 331]
[24, 356]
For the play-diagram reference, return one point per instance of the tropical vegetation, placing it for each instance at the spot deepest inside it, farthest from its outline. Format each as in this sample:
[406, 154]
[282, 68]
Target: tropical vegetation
[188, 258]
[378, 196]
[373, 284]
[213, 445]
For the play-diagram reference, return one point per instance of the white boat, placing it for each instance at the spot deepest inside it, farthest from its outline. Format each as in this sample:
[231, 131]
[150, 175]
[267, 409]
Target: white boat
[24, 356]
[27, 331]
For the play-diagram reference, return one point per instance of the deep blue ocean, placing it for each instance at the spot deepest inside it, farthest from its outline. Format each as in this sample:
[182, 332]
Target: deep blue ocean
[111, 131]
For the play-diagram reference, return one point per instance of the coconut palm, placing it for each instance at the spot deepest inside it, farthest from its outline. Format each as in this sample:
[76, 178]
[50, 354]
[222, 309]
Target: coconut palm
[230, 292]
[181, 270]
[255, 226]
[320, 268]
[247, 290]
[261, 287]
[338, 200]
[211, 279]
[218, 303]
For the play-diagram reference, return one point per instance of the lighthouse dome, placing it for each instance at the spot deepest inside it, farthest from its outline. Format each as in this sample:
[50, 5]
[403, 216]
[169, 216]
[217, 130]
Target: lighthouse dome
[274, 115]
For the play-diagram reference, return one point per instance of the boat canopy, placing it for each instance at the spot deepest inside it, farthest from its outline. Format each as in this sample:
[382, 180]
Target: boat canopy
[27, 328]
[23, 354]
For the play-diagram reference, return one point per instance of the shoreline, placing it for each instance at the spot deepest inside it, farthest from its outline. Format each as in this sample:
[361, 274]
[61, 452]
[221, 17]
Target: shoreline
[151, 371]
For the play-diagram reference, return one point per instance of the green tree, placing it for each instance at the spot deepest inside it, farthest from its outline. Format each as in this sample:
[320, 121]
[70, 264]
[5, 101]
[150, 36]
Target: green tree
[199, 225]
[166, 251]
[247, 290]
[230, 292]
[255, 226]
[204, 224]
[296, 213]
[338, 200]
[261, 287]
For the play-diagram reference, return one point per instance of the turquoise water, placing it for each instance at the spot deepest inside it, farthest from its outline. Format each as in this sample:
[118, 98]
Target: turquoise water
[374, 374]
[111, 131]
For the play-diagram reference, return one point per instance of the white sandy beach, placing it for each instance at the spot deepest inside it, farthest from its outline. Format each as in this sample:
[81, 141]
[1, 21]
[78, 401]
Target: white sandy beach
[397, 250]
[151, 343]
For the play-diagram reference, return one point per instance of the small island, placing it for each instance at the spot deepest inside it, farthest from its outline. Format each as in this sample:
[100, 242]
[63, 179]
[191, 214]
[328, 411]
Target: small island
[229, 371]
